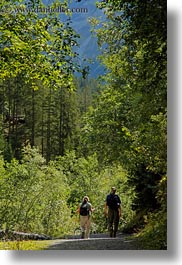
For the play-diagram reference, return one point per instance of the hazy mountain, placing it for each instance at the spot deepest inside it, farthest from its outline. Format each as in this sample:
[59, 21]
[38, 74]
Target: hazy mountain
[81, 11]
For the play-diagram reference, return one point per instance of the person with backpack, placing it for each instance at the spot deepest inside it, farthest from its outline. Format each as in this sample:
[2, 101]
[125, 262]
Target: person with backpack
[113, 211]
[85, 209]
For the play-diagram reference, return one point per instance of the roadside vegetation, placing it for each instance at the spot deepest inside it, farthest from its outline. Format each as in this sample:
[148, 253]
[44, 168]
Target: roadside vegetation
[64, 136]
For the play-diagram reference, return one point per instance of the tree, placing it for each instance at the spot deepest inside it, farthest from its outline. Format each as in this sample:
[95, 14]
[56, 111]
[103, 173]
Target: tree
[129, 123]
[37, 53]
[34, 196]
[84, 177]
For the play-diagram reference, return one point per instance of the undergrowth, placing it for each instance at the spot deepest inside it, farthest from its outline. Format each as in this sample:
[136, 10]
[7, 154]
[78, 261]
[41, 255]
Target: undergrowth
[154, 234]
[25, 245]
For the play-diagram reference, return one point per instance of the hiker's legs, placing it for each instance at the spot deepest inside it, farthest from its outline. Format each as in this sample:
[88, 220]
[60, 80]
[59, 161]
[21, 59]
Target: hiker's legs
[88, 223]
[110, 221]
[116, 222]
[83, 220]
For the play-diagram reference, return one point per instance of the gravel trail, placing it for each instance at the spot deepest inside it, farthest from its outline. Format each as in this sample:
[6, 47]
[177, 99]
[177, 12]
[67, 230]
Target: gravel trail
[96, 242]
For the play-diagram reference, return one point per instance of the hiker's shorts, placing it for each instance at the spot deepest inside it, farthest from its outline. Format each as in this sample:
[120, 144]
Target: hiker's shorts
[85, 222]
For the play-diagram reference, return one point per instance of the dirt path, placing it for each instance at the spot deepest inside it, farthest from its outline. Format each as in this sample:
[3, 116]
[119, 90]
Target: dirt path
[96, 242]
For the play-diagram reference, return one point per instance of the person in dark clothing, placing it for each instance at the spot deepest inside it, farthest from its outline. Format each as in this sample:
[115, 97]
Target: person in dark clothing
[113, 211]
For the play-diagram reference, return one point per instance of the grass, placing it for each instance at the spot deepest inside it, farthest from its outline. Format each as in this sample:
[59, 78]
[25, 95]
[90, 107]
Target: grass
[25, 245]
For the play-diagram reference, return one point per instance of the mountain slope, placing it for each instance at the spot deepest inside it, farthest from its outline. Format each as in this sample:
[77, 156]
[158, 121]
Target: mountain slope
[81, 12]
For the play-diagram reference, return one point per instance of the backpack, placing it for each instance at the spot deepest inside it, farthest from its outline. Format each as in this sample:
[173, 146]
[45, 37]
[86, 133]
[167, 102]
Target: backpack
[113, 201]
[84, 210]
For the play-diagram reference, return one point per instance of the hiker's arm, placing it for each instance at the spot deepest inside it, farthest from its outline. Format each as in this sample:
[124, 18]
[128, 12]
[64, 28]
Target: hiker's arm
[78, 209]
[91, 209]
[105, 209]
[119, 210]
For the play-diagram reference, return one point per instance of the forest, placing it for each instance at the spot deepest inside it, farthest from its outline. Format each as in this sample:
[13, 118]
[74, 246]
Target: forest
[64, 134]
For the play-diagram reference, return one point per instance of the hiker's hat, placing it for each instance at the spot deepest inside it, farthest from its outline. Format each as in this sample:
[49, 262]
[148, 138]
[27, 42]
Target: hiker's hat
[86, 198]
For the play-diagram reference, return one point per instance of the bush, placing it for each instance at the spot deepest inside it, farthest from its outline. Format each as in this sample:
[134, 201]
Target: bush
[154, 234]
[33, 196]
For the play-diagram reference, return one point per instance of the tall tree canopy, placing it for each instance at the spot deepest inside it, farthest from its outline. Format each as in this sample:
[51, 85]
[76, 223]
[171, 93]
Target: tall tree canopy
[91, 134]
[36, 45]
[129, 124]
[37, 53]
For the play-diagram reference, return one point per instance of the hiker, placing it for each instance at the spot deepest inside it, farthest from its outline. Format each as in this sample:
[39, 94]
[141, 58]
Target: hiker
[85, 209]
[112, 209]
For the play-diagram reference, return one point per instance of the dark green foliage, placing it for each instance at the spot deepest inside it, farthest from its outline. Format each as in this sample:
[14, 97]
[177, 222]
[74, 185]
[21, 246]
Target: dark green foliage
[91, 135]
[33, 196]
[41, 198]
[156, 223]
[37, 89]
[129, 123]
